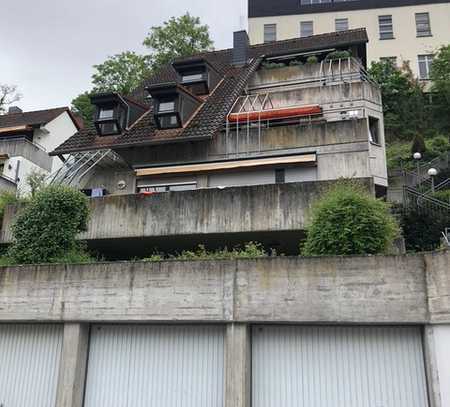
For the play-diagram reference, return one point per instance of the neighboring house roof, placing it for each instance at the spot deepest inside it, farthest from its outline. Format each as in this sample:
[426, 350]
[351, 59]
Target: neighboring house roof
[36, 118]
[210, 117]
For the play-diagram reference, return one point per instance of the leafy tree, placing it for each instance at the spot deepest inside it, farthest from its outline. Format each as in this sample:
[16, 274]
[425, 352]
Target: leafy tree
[8, 95]
[120, 73]
[440, 77]
[82, 106]
[418, 145]
[36, 181]
[403, 101]
[348, 220]
[178, 37]
[45, 229]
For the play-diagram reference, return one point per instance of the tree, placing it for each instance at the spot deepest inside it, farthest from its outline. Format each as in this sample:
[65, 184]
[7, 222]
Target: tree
[440, 77]
[178, 37]
[348, 220]
[82, 106]
[45, 229]
[8, 95]
[121, 73]
[403, 101]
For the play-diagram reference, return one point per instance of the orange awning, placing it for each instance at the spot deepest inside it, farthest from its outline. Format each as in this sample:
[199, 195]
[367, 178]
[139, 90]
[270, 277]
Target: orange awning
[281, 113]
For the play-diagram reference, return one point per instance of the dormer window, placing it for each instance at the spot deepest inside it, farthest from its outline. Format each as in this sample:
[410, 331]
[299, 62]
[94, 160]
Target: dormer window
[110, 114]
[173, 105]
[106, 123]
[197, 75]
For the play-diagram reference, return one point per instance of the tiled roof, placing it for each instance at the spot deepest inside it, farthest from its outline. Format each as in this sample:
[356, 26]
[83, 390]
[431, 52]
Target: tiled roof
[211, 115]
[36, 118]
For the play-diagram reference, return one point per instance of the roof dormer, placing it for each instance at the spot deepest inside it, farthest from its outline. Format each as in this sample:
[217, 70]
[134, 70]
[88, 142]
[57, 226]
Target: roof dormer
[197, 75]
[173, 106]
[114, 114]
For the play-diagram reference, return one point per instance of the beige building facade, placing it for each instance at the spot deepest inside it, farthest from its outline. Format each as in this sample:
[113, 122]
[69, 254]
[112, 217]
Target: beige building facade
[407, 32]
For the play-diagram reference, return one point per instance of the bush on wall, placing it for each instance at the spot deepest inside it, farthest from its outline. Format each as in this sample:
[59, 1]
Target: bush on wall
[45, 229]
[348, 220]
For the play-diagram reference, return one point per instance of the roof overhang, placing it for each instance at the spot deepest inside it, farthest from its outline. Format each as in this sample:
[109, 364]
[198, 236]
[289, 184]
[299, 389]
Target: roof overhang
[229, 165]
[16, 129]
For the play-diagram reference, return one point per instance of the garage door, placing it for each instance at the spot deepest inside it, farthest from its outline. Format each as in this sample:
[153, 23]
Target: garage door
[29, 364]
[338, 367]
[164, 366]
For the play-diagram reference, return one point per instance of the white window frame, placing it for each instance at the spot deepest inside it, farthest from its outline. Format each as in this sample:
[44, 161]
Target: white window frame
[386, 27]
[343, 21]
[306, 23]
[423, 24]
[270, 36]
[426, 59]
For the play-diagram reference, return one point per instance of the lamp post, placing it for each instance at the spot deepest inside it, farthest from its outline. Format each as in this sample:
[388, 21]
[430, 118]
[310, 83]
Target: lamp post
[417, 156]
[432, 172]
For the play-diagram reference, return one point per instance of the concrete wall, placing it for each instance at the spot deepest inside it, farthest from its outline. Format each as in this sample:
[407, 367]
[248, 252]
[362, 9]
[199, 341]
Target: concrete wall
[406, 46]
[276, 207]
[7, 185]
[371, 289]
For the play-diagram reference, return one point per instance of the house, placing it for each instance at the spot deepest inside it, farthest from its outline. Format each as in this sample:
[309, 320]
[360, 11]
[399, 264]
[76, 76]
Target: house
[247, 126]
[26, 138]
[398, 30]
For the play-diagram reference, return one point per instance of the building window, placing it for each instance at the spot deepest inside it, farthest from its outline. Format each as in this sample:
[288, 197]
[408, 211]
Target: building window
[270, 32]
[341, 24]
[306, 28]
[392, 60]
[374, 130]
[312, 2]
[280, 176]
[425, 66]
[423, 27]
[386, 28]
[158, 188]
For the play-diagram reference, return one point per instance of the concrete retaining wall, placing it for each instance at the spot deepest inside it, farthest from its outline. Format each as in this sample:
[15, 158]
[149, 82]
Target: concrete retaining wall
[373, 289]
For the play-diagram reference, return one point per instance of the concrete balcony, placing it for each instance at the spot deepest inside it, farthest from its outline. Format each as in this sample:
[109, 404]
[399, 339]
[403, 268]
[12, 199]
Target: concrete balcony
[7, 184]
[132, 225]
[14, 147]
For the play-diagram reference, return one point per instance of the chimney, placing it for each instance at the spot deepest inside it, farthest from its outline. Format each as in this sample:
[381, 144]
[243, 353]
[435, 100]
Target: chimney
[14, 109]
[241, 45]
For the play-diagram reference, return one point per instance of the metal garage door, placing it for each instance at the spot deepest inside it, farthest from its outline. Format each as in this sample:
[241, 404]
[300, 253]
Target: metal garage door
[338, 367]
[29, 364]
[164, 366]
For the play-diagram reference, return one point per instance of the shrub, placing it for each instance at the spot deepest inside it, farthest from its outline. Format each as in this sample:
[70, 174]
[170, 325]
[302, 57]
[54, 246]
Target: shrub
[295, 62]
[348, 220]
[312, 59]
[338, 55]
[418, 145]
[46, 229]
[443, 195]
[273, 65]
[7, 198]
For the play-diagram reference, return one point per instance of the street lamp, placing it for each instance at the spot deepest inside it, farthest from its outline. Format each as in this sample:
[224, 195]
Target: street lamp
[432, 172]
[417, 156]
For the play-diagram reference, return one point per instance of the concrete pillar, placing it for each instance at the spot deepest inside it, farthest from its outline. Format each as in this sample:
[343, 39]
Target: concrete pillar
[72, 372]
[432, 368]
[237, 365]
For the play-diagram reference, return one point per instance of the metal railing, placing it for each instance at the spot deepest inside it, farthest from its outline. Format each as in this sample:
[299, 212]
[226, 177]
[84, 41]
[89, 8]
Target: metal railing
[446, 236]
[416, 200]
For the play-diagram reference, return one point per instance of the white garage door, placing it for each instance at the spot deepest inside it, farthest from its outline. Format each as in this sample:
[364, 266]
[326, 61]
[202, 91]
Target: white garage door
[338, 367]
[163, 366]
[29, 364]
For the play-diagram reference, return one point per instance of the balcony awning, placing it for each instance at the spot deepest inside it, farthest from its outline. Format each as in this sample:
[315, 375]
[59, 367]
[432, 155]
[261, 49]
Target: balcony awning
[15, 129]
[229, 165]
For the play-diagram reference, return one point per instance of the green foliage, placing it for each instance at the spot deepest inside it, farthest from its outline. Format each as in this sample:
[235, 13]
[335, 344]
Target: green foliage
[348, 220]
[272, 65]
[36, 181]
[121, 73]
[422, 230]
[443, 195]
[418, 145]
[178, 37]
[440, 77]
[296, 62]
[312, 59]
[250, 250]
[82, 106]
[398, 154]
[404, 104]
[45, 229]
[7, 198]
[332, 56]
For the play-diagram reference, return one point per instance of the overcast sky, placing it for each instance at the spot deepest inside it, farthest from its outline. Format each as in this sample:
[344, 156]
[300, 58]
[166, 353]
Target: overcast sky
[48, 47]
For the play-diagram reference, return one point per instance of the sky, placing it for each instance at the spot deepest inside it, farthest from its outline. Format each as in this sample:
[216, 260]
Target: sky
[48, 47]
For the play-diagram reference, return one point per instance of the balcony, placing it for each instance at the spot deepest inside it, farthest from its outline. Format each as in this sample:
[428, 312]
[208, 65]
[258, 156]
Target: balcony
[134, 225]
[14, 147]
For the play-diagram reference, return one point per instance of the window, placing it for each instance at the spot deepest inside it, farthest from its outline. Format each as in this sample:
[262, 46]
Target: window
[392, 60]
[374, 130]
[310, 2]
[165, 107]
[158, 188]
[386, 28]
[270, 32]
[306, 28]
[280, 176]
[425, 65]
[197, 75]
[423, 25]
[341, 24]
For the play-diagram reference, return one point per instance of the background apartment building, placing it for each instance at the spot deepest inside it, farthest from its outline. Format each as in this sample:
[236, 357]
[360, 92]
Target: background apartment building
[400, 30]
